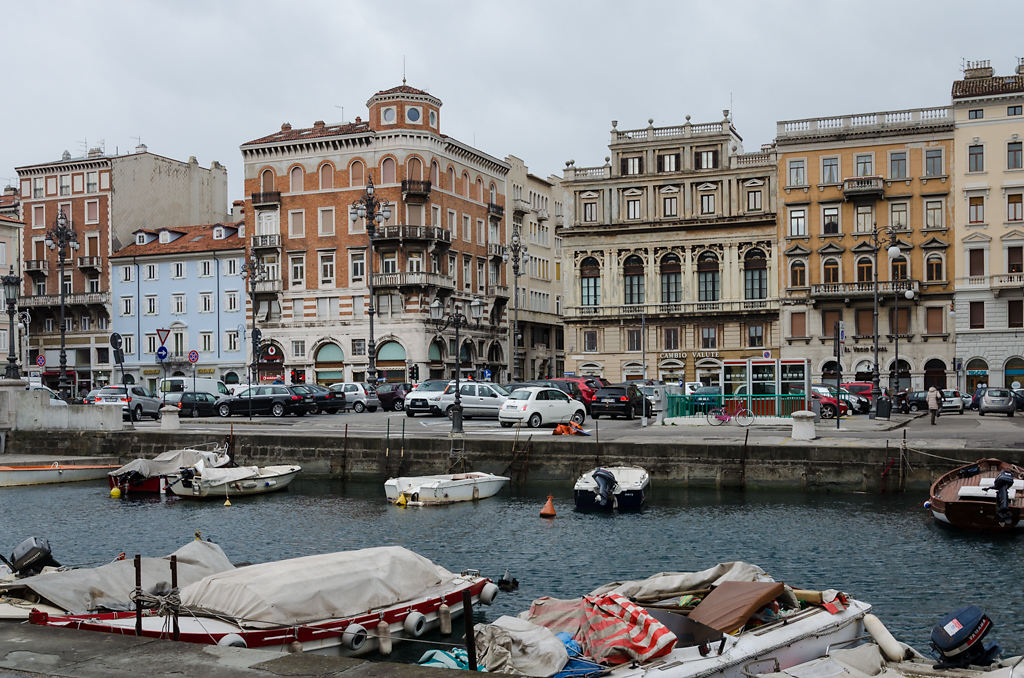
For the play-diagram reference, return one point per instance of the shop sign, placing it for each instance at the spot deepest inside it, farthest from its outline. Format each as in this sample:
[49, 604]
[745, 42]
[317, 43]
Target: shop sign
[977, 373]
[706, 354]
[672, 356]
[206, 370]
[151, 371]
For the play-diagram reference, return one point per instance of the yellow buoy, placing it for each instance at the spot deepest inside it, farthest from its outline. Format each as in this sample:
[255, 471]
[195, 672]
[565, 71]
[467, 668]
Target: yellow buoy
[401, 501]
[115, 492]
[227, 502]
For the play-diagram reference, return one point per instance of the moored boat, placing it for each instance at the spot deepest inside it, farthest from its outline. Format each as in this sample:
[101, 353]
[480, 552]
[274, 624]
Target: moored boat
[612, 487]
[986, 496]
[443, 489]
[150, 475]
[55, 472]
[200, 482]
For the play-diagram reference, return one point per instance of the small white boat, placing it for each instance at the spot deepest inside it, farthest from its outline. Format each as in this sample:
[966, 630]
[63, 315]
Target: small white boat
[201, 482]
[150, 475]
[612, 487]
[443, 489]
[56, 472]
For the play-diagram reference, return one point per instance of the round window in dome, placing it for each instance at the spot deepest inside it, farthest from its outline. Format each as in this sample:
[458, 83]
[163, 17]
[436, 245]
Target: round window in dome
[413, 114]
[388, 115]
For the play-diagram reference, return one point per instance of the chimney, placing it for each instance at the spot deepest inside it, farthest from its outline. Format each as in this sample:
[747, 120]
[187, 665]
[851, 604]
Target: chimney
[141, 148]
[319, 124]
[66, 155]
[981, 68]
[1020, 65]
[94, 153]
[286, 127]
[10, 190]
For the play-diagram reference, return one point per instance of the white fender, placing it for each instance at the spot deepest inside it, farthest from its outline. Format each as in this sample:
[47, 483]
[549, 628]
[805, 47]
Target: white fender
[488, 593]
[444, 617]
[890, 647]
[383, 638]
[232, 640]
[415, 624]
[354, 636]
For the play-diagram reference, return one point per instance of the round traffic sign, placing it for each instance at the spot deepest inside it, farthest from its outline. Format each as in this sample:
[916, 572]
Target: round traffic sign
[115, 340]
[766, 354]
[161, 353]
[193, 356]
[41, 360]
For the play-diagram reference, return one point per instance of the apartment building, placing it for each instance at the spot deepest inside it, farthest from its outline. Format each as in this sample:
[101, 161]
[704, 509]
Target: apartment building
[443, 241]
[989, 217]
[842, 181]
[671, 254]
[104, 198]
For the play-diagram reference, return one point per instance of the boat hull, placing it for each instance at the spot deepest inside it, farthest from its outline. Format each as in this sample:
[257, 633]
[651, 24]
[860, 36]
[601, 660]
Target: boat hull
[11, 476]
[632, 485]
[271, 479]
[154, 485]
[949, 505]
[443, 489]
[626, 500]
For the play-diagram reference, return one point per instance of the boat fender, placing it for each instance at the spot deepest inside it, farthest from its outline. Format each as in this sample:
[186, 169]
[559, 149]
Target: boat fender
[354, 636]
[383, 638]
[444, 616]
[232, 640]
[890, 647]
[488, 593]
[415, 624]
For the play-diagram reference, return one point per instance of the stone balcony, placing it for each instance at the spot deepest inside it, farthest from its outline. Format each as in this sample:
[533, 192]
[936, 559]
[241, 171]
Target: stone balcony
[90, 263]
[415, 191]
[520, 206]
[267, 241]
[435, 234]
[82, 299]
[850, 290]
[268, 286]
[863, 123]
[670, 309]
[863, 187]
[408, 279]
[495, 210]
[495, 250]
[266, 199]
[500, 291]
[37, 266]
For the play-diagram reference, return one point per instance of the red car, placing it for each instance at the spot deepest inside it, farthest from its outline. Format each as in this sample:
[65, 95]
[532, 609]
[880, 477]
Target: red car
[829, 404]
[861, 388]
[587, 387]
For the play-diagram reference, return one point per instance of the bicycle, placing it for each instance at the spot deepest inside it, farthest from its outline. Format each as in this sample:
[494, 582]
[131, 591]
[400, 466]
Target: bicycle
[719, 416]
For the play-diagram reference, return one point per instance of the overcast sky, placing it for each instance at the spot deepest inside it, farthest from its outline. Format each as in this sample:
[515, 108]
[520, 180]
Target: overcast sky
[540, 80]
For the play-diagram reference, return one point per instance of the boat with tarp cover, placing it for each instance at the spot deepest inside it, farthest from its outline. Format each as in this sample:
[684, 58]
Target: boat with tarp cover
[201, 482]
[150, 475]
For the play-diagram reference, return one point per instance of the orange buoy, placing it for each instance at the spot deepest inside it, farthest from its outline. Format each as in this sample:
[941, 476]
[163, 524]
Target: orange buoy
[549, 508]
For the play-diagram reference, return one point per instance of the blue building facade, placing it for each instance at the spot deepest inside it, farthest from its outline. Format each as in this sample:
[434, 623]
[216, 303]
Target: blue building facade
[181, 288]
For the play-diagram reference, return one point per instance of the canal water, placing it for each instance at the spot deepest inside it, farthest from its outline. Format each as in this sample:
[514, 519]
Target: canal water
[885, 549]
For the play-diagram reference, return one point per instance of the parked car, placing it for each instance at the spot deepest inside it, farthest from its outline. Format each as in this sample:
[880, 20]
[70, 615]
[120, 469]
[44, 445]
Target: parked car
[829, 405]
[54, 399]
[536, 406]
[624, 400]
[425, 396]
[135, 401]
[478, 399]
[585, 386]
[192, 403]
[861, 388]
[1018, 394]
[857, 404]
[567, 386]
[392, 396]
[90, 397]
[917, 400]
[359, 395]
[275, 399]
[952, 402]
[998, 400]
[976, 398]
[324, 399]
[707, 398]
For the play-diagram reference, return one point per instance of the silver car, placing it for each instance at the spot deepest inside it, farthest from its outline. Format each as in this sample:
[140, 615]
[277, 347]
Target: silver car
[998, 400]
[135, 401]
[478, 399]
[359, 395]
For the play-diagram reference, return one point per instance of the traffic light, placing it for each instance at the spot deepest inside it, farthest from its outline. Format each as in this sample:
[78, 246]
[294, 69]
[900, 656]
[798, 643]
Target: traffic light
[414, 372]
[298, 376]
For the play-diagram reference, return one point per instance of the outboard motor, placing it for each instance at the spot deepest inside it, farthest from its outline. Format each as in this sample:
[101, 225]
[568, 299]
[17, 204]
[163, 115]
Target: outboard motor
[30, 557]
[605, 480]
[187, 474]
[1002, 483]
[958, 639]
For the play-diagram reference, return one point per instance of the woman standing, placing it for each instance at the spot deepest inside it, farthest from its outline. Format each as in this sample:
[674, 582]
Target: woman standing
[934, 402]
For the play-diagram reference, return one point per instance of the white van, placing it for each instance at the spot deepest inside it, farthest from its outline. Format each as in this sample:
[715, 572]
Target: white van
[214, 387]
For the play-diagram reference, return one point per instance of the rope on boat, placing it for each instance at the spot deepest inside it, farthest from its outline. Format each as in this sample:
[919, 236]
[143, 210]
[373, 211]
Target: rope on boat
[164, 605]
[936, 456]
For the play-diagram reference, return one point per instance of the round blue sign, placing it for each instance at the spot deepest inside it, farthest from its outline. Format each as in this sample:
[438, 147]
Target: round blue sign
[487, 374]
[161, 353]
[193, 356]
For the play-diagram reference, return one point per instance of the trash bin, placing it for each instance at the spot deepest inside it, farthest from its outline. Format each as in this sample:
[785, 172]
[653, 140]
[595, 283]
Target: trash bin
[883, 408]
[816, 408]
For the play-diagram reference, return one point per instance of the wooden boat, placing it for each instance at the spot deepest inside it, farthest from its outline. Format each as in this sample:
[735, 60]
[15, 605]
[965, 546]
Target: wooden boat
[612, 487]
[986, 496]
[443, 489]
[335, 603]
[200, 482]
[149, 476]
[56, 472]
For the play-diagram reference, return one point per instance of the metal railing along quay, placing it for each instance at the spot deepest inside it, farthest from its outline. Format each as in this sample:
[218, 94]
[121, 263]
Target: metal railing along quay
[768, 405]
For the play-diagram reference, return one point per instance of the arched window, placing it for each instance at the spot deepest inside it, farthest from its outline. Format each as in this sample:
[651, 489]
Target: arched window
[865, 270]
[267, 181]
[326, 177]
[451, 180]
[671, 280]
[933, 268]
[590, 282]
[465, 183]
[755, 275]
[295, 179]
[493, 194]
[356, 174]
[708, 277]
[479, 189]
[414, 169]
[387, 171]
[435, 174]
[899, 268]
[798, 274]
[633, 271]
[830, 272]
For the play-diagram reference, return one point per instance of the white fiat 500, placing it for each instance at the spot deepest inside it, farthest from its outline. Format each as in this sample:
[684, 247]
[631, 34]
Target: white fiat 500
[538, 405]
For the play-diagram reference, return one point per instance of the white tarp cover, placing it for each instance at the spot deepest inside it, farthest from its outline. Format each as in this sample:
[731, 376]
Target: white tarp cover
[222, 476]
[110, 586]
[513, 645]
[669, 584]
[314, 588]
[170, 462]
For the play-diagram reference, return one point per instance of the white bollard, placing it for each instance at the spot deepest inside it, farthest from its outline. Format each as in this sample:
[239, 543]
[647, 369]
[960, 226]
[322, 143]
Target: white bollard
[803, 425]
[169, 418]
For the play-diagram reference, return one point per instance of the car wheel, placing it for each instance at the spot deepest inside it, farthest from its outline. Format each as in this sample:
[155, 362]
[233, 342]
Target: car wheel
[534, 421]
[137, 413]
[314, 409]
[157, 416]
[359, 407]
[629, 412]
[224, 410]
[828, 412]
[410, 414]
[398, 406]
[506, 424]
[915, 407]
[578, 416]
[195, 412]
[1010, 413]
[981, 412]
[277, 410]
[450, 412]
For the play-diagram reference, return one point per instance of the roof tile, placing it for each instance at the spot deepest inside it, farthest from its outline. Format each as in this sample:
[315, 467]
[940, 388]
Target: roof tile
[974, 87]
[193, 239]
[291, 134]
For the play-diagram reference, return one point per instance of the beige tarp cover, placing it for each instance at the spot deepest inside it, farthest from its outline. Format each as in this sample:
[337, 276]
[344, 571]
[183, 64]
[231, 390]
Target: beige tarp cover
[513, 645]
[668, 584]
[170, 462]
[222, 476]
[313, 588]
[732, 603]
[109, 586]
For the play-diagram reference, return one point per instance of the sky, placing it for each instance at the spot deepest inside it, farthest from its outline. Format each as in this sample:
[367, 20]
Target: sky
[539, 80]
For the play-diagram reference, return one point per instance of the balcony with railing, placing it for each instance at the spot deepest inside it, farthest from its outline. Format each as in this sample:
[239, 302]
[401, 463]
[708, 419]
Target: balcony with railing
[414, 190]
[1007, 281]
[90, 263]
[414, 279]
[272, 286]
[500, 291]
[37, 267]
[520, 205]
[673, 309]
[542, 214]
[864, 123]
[403, 232]
[495, 210]
[495, 250]
[81, 299]
[685, 130]
[266, 199]
[863, 187]
[266, 241]
[862, 289]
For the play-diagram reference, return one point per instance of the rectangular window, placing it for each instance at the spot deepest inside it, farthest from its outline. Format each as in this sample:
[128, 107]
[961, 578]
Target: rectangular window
[206, 342]
[1013, 207]
[126, 306]
[590, 291]
[976, 209]
[327, 269]
[977, 315]
[671, 339]
[128, 344]
[708, 337]
[797, 172]
[359, 347]
[326, 223]
[1014, 110]
[668, 163]
[205, 269]
[828, 322]
[633, 340]
[632, 165]
[152, 305]
[933, 214]
[65, 184]
[466, 279]
[177, 270]
[178, 304]
[975, 114]
[86, 323]
[1015, 313]
[1013, 155]
[590, 341]
[797, 222]
[632, 209]
[152, 343]
[152, 272]
[38, 216]
[707, 203]
[297, 224]
[898, 165]
[933, 162]
[389, 262]
[1015, 259]
[206, 302]
[92, 211]
[481, 232]
[865, 218]
[830, 220]
[706, 159]
[865, 322]
[755, 335]
[865, 165]
[753, 201]
[231, 340]
[590, 211]
[976, 158]
[830, 170]
[298, 271]
[299, 348]
[670, 207]
[37, 188]
[91, 182]
[975, 262]
[898, 215]
[899, 320]
[231, 301]
[934, 320]
[231, 267]
[357, 267]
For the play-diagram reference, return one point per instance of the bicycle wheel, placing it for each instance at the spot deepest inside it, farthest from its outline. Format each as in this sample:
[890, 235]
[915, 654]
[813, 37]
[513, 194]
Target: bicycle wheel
[717, 416]
[744, 417]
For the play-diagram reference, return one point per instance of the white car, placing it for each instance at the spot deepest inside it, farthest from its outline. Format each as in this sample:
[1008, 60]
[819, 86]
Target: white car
[478, 399]
[425, 398]
[54, 399]
[538, 405]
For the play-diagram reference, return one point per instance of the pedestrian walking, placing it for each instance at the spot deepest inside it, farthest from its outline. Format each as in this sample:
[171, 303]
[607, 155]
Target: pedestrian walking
[934, 401]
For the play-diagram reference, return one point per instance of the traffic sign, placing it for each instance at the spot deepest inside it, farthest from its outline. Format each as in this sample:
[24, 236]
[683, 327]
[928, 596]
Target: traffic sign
[162, 334]
[41, 360]
[766, 354]
[487, 374]
[115, 340]
[193, 356]
[161, 353]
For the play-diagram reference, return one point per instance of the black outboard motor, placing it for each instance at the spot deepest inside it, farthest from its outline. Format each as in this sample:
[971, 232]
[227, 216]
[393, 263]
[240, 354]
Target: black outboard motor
[957, 638]
[1002, 483]
[30, 557]
[605, 480]
[187, 474]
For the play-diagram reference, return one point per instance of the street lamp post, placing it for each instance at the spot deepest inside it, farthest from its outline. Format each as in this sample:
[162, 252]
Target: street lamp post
[11, 283]
[253, 271]
[518, 251]
[375, 212]
[60, 238]
[24, 322]
[457, 319]
[893, 251]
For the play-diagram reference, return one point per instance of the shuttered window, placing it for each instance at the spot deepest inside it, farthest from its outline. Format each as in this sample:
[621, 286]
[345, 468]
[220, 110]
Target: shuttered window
[798, 324]
[977, 315]
[865, 322]
[976, 262]
[935, 320]
[828, 322]
[1015, 259]
[1015, 313]
[899, 320]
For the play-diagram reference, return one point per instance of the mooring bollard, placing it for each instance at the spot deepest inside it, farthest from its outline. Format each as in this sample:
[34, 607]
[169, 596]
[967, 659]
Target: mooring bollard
[169, 418]
[803, 425]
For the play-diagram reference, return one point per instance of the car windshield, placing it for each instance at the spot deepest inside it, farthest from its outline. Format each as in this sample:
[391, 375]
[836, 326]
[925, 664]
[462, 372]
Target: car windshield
[433, 385]
[519, 394]
[499, 389]
[648, 390]
[998, 392]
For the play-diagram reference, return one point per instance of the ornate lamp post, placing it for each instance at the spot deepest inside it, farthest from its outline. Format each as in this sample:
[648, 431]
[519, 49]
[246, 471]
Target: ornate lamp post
[518, 251]
[24, 323]
[894, 251]
[60, 238]
[253, 271]
[12, 283]
[375, 212]
[456, 319]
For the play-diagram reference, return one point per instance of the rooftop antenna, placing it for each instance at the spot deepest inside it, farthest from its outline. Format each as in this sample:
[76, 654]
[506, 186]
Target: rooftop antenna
[138, 140]
[342, 112]
[403, 69]
[85, 145]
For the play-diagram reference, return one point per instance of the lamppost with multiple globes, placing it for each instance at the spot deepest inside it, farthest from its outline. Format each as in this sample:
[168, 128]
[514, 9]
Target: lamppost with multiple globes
[894, 252]
[12, 283]
[375, 212]
[456, 319]
[253, 272]
[516, 251]
[61, 237]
